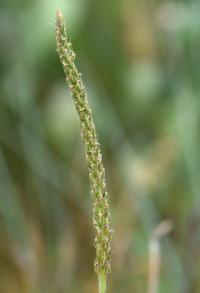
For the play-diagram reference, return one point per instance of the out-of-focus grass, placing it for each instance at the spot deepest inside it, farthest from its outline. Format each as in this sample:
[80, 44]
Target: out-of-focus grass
[140, 61]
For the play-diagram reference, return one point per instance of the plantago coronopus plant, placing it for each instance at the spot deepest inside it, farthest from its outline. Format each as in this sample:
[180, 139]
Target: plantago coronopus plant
[102, 241]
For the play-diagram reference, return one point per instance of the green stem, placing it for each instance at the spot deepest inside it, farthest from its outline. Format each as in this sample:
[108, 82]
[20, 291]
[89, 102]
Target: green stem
[102, 282]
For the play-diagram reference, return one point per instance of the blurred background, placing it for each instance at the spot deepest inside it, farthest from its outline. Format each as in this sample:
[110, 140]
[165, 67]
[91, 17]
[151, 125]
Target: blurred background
[141, 66]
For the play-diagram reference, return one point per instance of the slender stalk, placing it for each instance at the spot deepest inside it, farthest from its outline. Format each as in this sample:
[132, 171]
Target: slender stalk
[155, 254]
[102, 282]
[101, 215]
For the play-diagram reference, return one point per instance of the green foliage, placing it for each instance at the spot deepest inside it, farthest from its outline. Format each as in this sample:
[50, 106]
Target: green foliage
[141, 69]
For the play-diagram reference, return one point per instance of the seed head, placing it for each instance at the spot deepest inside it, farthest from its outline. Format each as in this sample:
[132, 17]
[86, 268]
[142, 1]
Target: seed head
[93, 155]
